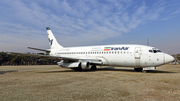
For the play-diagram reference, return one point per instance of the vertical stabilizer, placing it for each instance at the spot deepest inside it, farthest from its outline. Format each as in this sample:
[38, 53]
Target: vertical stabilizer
[52, 40]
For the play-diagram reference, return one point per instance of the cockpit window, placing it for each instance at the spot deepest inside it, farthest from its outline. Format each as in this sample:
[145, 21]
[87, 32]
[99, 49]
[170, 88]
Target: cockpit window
[154, 50]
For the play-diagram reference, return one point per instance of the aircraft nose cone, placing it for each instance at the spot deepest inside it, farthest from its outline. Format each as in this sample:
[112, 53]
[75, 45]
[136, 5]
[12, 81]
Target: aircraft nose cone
[168, 58]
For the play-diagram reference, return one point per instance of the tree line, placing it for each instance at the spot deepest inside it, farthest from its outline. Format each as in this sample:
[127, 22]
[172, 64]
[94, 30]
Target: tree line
[178, 57]
[10, 59]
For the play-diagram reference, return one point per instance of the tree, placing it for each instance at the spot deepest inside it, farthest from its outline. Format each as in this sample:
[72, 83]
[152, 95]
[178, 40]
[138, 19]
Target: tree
[178, 57]
[10, 59]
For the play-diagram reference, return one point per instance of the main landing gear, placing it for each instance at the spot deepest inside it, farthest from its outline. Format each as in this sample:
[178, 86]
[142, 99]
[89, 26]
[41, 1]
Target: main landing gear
[93, 67]
[140, 70]
[145, 69]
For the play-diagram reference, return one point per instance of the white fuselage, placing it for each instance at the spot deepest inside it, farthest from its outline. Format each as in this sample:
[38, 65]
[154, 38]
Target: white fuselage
[117, 55]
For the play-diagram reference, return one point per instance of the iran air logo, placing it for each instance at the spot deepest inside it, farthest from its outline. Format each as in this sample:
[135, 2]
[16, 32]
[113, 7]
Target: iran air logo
[50, 42]
[107, 48]
[115, 48]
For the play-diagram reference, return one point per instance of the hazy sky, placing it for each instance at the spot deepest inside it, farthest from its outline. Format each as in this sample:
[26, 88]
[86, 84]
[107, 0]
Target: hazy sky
[89, 22]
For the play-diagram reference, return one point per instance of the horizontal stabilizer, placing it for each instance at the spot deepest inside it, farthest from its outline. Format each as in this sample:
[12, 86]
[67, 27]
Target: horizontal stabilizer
[45, 50]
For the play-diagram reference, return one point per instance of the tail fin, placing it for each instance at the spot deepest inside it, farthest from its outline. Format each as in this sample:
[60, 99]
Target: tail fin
[52, 40]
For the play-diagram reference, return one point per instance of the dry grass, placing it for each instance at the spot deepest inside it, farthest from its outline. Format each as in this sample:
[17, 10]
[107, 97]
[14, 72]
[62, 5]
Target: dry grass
[105, 84]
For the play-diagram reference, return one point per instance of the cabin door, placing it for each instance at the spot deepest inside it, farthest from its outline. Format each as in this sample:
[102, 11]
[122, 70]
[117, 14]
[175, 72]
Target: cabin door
[137, 53]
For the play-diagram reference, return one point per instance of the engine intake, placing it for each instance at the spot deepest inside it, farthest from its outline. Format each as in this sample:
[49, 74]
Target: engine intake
[82, 65]
[85, 65]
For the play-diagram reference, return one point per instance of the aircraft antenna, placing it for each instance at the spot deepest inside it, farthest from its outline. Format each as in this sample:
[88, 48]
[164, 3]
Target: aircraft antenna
[147, 42]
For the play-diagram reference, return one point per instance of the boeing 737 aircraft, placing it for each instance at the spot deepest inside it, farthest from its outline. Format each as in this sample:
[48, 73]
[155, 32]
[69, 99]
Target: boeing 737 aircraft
[139, 57]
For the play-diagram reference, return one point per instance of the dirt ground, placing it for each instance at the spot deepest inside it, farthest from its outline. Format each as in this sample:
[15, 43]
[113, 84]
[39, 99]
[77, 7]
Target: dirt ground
[45, 83]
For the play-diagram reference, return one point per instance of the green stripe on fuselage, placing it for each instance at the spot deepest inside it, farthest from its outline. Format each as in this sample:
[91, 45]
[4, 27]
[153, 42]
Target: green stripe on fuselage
[107, 47]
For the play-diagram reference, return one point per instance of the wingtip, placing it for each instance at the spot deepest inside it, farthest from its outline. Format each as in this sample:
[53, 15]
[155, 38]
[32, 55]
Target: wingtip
[47, 28]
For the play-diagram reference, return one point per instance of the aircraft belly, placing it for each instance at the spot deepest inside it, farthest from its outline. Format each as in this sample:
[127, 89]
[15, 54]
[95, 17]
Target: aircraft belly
[103, 59]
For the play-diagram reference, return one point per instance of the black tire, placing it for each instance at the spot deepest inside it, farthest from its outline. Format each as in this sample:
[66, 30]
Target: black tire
[138, 69]
[93, 67]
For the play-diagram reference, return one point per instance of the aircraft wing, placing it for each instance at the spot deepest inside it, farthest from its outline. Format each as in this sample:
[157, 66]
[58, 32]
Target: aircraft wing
[93, 61]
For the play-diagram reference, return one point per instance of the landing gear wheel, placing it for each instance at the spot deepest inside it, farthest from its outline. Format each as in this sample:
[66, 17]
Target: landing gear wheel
[138, 69]
[93, 67]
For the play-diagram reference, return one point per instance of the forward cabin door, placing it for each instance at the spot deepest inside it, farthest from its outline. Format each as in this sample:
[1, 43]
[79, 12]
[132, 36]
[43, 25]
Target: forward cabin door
[137, 53]
[137, 56]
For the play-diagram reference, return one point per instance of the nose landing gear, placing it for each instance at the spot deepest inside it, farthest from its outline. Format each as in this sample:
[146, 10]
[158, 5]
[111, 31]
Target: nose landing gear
[144, 70]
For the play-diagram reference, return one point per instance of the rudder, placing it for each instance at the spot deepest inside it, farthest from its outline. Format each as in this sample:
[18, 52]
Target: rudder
[52, 40]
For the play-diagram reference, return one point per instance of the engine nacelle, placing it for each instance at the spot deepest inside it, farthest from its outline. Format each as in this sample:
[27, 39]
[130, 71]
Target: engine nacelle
[60, 63]
[69, 64]
[82, 65]
[85, 65]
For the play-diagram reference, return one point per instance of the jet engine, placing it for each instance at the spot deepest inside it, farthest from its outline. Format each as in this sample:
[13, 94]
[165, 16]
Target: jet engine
[82, 65]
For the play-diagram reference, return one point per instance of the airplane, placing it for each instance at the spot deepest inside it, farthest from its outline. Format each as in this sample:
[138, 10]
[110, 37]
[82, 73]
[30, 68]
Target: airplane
[140, 57]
